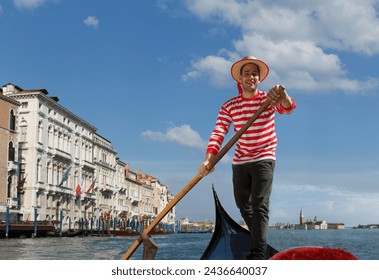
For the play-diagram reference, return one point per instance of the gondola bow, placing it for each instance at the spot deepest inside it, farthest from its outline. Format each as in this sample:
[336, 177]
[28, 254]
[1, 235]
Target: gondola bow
[230, 241]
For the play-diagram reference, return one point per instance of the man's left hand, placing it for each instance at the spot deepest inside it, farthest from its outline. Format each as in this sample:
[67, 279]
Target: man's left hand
[277, 94]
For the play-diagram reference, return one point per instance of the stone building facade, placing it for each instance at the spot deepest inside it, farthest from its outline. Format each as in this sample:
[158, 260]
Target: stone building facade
[66, 168]
[8, 153]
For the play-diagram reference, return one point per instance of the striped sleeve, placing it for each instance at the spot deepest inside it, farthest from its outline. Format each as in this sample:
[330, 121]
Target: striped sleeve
[222, 126]
[283, 110]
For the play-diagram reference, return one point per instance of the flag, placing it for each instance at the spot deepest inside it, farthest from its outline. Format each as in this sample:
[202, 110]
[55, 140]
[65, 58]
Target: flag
[91, 187]
[65, 176]
[21, 183]
[78, 190]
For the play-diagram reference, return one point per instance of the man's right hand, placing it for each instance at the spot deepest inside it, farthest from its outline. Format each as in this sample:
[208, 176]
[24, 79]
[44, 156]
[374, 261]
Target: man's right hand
[203, 170]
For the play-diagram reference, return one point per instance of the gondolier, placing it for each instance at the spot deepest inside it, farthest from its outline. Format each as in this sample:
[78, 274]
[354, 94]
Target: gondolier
[254, 157]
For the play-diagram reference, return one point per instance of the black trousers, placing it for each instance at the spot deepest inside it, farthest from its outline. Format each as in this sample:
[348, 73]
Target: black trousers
[252, 183]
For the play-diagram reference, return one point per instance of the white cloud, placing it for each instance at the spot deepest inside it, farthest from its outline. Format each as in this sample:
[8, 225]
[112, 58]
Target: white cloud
[182, 135]
[29, 4]
[296, 39]
[330, 203]
[215, 67]
[92, 21]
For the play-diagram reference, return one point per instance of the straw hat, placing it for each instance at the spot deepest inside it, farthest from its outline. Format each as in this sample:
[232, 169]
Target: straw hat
[236, 68]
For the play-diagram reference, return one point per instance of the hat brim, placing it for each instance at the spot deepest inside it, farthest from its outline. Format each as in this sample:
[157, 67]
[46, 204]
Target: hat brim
[236, 68]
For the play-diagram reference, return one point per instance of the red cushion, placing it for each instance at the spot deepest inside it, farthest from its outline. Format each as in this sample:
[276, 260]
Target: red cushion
[314, 253]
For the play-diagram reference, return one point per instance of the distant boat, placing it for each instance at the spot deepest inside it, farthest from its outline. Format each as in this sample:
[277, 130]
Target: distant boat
[230, 241]
[66, 233]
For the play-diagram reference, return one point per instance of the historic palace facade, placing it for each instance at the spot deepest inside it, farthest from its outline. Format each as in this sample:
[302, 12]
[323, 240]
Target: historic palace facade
[54, 161]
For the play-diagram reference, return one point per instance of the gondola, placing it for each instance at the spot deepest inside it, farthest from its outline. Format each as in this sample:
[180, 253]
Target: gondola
[230, 241]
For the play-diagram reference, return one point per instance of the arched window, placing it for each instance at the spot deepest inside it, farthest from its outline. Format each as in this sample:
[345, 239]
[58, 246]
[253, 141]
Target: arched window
[77, 148]
[39, 169]
[11, 152]
[12, 120]
[50, 136]
[9, 189]
[49, 174]
[60, 140]
[40, 131]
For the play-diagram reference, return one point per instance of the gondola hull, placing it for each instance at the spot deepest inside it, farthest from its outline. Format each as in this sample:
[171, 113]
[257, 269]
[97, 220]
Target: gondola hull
[230, 241]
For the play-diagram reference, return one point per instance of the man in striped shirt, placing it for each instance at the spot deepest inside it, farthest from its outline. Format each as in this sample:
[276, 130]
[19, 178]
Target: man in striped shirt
[254, 156]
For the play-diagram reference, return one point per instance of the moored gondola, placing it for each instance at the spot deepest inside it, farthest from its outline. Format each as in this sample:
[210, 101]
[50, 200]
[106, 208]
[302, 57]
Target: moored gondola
[230, 241]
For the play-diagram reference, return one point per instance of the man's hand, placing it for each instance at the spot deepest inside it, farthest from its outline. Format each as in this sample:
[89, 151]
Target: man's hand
[203, 170]
[277, 94]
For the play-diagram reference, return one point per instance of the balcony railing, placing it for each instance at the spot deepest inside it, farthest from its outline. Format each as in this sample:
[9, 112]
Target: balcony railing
[12, 202]
[12, 165]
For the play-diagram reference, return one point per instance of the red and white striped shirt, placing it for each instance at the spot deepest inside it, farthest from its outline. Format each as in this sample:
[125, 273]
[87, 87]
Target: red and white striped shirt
[259, 141]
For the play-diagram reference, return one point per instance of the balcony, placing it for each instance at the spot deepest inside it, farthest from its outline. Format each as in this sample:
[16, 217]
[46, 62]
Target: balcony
[12, 165]
[88, 164]
[60, 190]
[12, 202]
[59, 153]
[107, 188]
[135, 200]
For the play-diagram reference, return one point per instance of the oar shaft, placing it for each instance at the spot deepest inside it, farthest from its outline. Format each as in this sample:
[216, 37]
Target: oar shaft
[162, 214]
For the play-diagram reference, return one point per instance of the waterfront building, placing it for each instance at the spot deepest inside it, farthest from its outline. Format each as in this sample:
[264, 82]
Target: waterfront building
[105, 189]
[134, 193]
[69, 172]
[159, 198]
[336, 226]
[9, 169]
[55, 152]
[317, 224]
[122, 198]
[185, 225]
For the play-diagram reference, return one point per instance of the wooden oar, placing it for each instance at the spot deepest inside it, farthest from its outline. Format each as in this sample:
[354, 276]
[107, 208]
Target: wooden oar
[214, 160]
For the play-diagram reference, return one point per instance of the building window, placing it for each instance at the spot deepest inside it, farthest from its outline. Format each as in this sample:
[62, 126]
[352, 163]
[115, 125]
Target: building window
[12, 121]
[77, 148]
[22, 169]
[50, 136]
[11, 152]
[49, 173]
[104, 157]
[60, 140]
[9, 188]
[24, 130]
[39, 169]
[40, 130]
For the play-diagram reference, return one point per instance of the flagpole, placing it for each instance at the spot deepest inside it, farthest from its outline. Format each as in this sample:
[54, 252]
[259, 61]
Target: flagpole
[60, 221]
[7, 222]
[35, 222]
[78, 191]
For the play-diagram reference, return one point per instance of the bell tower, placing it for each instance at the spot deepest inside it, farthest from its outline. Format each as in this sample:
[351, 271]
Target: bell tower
[301, 217]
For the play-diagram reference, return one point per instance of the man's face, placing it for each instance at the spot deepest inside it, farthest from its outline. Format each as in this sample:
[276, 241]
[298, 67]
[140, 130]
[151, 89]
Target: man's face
[250, 77]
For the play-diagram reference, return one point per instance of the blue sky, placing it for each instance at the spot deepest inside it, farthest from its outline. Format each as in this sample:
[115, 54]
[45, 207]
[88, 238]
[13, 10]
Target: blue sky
[152, 75]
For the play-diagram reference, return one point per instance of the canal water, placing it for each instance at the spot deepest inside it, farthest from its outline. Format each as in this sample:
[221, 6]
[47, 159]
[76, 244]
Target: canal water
[363, 243]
